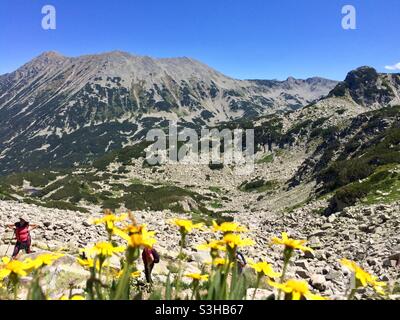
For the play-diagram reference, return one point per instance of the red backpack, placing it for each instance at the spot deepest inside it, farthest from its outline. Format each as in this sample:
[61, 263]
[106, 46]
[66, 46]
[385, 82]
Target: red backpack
[22, 233]
[150, 255]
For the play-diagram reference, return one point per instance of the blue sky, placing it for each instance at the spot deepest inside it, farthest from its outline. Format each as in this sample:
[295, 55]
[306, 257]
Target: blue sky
[267, 39]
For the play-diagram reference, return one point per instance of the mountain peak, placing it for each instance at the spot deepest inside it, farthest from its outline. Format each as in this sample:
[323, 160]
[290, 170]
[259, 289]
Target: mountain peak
[50, 55]
[366, 87]
[361, 74]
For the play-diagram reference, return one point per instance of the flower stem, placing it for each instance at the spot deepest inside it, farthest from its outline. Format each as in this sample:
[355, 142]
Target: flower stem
[257, 285]
[287, 254]
[352, 294]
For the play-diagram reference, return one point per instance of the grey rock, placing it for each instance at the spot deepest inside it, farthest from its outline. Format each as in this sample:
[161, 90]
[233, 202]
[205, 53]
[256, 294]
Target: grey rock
[302, 273]
[326, 226]
[318, 282]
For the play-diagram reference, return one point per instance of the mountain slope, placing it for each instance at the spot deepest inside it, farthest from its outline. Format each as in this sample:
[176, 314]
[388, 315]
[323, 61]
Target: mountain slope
[57, 111]
[357, 155]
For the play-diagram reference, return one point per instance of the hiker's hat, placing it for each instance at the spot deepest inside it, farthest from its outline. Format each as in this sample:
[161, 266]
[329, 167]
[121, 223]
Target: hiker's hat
[24, 217]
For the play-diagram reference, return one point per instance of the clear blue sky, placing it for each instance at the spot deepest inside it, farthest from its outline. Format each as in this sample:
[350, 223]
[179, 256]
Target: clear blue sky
[242, 38]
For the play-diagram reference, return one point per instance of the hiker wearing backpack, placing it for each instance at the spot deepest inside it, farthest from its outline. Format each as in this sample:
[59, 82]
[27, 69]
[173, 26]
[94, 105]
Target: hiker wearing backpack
[241, 261]
[149, 257]
[22, 231]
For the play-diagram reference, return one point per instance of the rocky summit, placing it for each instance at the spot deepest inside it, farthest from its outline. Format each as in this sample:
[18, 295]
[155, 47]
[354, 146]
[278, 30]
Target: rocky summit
[326, 165]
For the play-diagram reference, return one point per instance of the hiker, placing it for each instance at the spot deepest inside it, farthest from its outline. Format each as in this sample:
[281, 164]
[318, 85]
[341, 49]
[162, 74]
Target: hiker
[22, 233]
[241, 261]
[149, 257]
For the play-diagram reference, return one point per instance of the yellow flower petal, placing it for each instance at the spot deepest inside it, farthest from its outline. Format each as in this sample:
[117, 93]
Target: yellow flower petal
[291, 243]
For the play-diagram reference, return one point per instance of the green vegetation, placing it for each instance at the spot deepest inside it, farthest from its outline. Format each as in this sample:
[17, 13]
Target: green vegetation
[323, 133]
[216, 189]
[123, 156]
[280, 153]
[296, 206]
[266, 159]
[62, 205]
[211, 216]
[136, 181]
[216, 205]
[365, 169]
[140, 197]
[383, 186]
[259, 185]
[36, 179]
[5, 194]
[384, 149]
[73, 188]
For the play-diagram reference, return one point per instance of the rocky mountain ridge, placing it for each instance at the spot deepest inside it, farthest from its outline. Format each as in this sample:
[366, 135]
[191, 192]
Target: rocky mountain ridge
[62, 110]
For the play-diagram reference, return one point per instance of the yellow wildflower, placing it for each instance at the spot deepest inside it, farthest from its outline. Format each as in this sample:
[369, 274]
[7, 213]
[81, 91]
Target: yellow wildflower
[134, 274]
[218, 262]
[291, 243]
[46, 259]
[105, 249]
[74, 297]
[89, 263]
[197, 276]
[234, 241]
[217, 245]
[264, 268]
[13, 267]
[186, 226]
[228, 227]
[297, 288]
[137, 236]
[363, 276]
[109, 219]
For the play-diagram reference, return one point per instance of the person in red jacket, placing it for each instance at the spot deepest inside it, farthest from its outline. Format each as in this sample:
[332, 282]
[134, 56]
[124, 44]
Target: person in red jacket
[149, 257]
[22, 233]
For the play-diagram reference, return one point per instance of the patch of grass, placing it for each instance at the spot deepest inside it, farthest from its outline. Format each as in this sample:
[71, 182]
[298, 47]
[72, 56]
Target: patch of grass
[216, 189]
[280, 153]
[124, 155]
[157, 198]
[36, 178]
[383, 186]
[208, 218]
[62, 205]
[216, 205]
[266, 159]
[5, 193]
[296, 206]
[73, 189]
[259, 185]
[136, 181]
